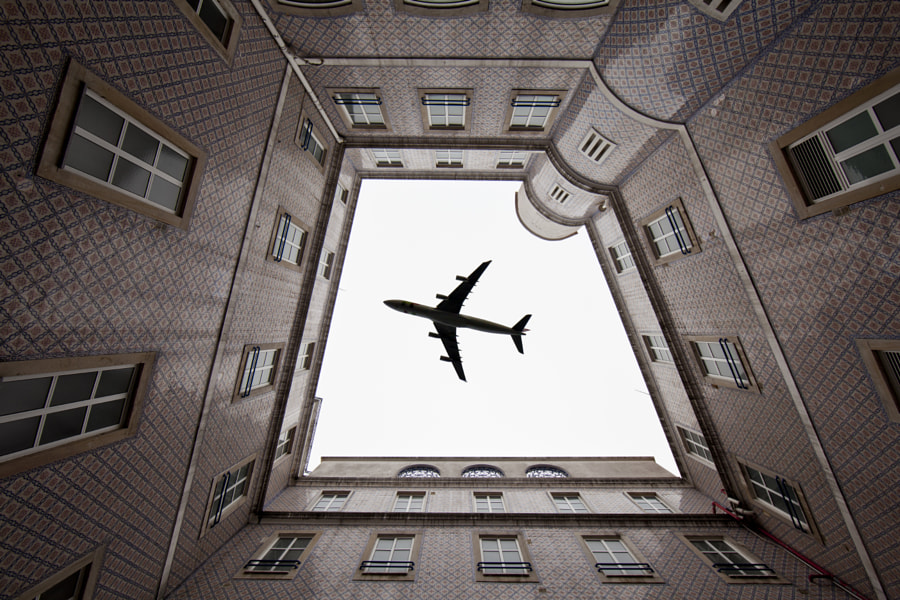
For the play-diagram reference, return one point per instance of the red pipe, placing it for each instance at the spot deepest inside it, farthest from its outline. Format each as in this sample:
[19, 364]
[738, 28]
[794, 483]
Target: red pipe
[823, 572]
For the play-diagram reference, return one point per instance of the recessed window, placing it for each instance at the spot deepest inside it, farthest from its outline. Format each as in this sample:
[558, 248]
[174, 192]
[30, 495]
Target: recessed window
[568, 503]
[360, 108]
[409, 502]
[288, 240]
[617, 561]
[649, 502]
[217, 21]
[448, 158]
[389, 556]
[341, 193]
[489, 503]
[621, 255]
[331, 501]
[318, 8]
[229, 490]
[533, 110]
[116, 151]
[307, 353]
[696, 445]
[285, 443]
[720, 9]
[259, 364]
[848, 153]
[419, 471]
[776, 493]
[387, 158]
[558, 194]
[55, 408]
[596, 147]
[658, 349]
[723, 362]
[309, 141]
[544, 471]
[75, 582]
[326, 264]
[882, 359]
[441, 8]
[569, 8]
[482, 471]
[445, 109]
[503, 558]
[280, 556]
[670, 233]
[511, 159]
[732, 562]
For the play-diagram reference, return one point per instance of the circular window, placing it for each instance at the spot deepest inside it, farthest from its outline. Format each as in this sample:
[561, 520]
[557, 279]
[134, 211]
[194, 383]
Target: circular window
[545, 471]
[482, 471]
[419, 471]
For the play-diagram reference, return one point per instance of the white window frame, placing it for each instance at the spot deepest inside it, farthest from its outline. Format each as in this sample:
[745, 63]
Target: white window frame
[622, 257]
[669, 234]
[649, 502]
[596, 147]
[490, 502]
[387, 157]
[341, 193]
[226, 43]
[778, 496]
[512, 159]
[658, 348]
[367, 108]
[529, 110]
[499, 546]
[229, 490]
[713, 8]
[406, 502]
[447, 157]
[307, 353]
[723, 362]
[289, 240]
[260, 373]
[390, 548]
[331, 502]
[569, 502]
[720, 553]
[285, 443]
[696, 445]
[326, 264]
[292, 547]
[441, 109]
[614, 550]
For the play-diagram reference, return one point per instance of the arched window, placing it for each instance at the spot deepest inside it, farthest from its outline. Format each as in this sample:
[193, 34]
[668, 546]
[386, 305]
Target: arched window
[319, 8]
[569, 8]
[439, 8]
[482, 471]
[545, 471]
[419, 471]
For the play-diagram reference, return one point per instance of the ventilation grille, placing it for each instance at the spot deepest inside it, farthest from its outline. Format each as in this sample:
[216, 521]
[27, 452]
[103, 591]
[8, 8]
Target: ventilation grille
[559, 194]
[596, 147]
[815, 169]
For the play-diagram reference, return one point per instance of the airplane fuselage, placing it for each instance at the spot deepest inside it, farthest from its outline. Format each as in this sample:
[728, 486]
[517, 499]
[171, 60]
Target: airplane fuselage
[450, 318]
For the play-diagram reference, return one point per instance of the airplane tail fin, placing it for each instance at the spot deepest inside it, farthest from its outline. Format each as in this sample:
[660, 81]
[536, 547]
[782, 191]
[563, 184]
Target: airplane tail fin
[520, 330]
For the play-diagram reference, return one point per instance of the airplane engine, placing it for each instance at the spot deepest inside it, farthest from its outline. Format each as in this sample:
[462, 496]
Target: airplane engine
[460, 278]
[446, 359]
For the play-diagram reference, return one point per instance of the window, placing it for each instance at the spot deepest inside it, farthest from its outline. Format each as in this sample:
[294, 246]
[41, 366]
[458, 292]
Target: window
[846, 154]
[228, 492]
[446, 109]
[390, 556]
[481, 471]
[448, 158]
[732, 562]
[440, 8]
[288, 240]
[511, 159]
[882, 358]
[340, 194]
[617, 561]
[533, 110]
[559, 194]
[649, 502]
[307, 353]
[285, 443]
[503, 557]
[387, 158]
[658, 349]
[309, 141]
[568, 503]
[318, 8]
[544, 471]
[75, 582]
[217, 21]
[569, 8]
[116, 151]
[331, 501]
[259, 365]
[696, 444]
[360, 108]
[489, 503]
[723, 362]
[596, 147]
[326, 264]
[280, 556]
[409, 502]
[670, 233]
[622, 258]
[54, 408]
[419, 471]
[720, 9]
[776, 493]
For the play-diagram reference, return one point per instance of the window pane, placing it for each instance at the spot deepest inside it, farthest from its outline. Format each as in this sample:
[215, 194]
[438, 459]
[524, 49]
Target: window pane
[73, 388]
[131, 177]
[164, 193]
[18, 435]
[99, 120]
[851, 132]
[172, 163]
[22, 395]
[888, 112]
[67, 589]
[867, 164]
[140, 144]
[106, 414]
[214, 18]
[58, 426]
[87, 157]
[114, 381]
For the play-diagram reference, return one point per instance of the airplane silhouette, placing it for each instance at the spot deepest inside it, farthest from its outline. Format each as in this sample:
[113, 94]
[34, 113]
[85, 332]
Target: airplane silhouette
[446, 318]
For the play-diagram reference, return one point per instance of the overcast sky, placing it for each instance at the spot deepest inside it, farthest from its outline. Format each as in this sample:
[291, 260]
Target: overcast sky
[577, 390]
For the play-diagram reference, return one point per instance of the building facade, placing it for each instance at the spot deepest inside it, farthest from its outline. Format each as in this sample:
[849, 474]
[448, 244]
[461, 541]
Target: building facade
[179, 181]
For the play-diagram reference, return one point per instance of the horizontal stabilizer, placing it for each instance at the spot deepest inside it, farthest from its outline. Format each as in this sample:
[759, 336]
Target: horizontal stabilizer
[440, 296]
[446, 359]
[433, 334]
[520, 330]
[460, 278]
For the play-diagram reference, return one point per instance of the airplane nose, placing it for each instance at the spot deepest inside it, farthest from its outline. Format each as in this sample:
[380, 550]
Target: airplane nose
[395, 304]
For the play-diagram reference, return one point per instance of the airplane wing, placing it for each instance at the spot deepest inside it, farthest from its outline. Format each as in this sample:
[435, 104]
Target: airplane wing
[448, 337]
[454, 302]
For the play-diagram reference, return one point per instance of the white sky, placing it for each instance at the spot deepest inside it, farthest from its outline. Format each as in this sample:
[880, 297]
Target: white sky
[577, 391]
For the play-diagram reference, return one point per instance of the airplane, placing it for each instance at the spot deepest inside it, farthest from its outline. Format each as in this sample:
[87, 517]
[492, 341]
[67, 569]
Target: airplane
[446, 318]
